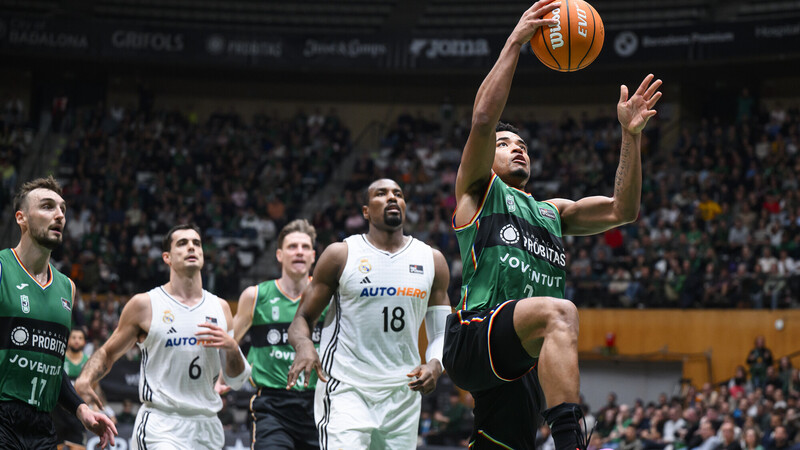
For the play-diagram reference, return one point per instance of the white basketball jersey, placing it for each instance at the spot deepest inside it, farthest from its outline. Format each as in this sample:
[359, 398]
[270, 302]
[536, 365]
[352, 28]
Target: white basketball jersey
[371, 331]
[177, 374]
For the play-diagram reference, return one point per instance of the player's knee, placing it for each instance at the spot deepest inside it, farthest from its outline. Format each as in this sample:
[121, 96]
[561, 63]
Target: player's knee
[563, 316]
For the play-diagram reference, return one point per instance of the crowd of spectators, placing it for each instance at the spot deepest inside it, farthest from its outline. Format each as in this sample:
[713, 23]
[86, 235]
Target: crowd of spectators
[756, 412]
[16, 137]
[131, 174]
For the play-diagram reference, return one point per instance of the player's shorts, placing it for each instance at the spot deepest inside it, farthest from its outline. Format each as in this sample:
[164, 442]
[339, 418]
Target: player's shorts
[24, 427]
[483, 354]
[350, 417]
[157, 430]
[283, 420]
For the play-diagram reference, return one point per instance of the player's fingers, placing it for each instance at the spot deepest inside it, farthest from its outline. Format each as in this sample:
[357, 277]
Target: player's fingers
[543, 11]
[643, 87]
[291, 377]
[653, 100]
[623, 93]
[321, 373]
[651, 90]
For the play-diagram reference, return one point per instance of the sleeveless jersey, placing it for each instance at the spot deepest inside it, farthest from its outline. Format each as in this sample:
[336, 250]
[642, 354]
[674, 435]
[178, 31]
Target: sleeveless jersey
[270, 355]
[177, 373]
[35, 322]
[74, 370]
[511, 249]
[371, 332]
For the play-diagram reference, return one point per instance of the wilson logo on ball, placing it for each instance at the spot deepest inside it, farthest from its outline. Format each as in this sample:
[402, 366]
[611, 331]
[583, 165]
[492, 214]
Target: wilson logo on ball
[574, 42]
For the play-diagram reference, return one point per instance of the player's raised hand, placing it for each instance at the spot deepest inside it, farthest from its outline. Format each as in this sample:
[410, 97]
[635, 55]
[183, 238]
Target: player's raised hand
[425, 376]
[215, 336]
[633, 113]
[532, 19]
[98, 423]
[306, 359]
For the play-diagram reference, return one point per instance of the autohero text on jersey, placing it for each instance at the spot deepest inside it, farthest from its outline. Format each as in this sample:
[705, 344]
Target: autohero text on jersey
[393, 291]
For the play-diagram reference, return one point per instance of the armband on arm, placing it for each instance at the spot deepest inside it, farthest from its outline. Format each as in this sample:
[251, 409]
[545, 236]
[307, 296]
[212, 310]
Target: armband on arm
[435, 320]
[68, 398]
[235, 382]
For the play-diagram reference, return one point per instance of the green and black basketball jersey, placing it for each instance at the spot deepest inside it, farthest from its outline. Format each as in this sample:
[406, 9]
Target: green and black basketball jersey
[74, 370]
[270, 354]
[510, 249]
[35, 323]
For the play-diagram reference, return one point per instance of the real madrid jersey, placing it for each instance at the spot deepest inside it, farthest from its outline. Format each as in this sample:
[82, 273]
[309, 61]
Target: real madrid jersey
[178, 373]
[270, 354]
[511, 249]
[370, 335]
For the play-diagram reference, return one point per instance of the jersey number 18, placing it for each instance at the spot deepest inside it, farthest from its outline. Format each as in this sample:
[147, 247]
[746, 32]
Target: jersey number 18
[397, 323]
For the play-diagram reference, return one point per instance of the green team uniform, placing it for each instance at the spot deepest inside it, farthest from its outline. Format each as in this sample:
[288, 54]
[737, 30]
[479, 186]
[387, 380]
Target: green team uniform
[512, 249]
[74, 370]
[35, 322]
[271, 355]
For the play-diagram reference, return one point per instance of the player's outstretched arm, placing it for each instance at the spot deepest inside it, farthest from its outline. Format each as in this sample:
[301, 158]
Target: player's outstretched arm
[592, 215]
[313, 302]
[244, 313]
[474, 172]
[426, 375]
[134, 318]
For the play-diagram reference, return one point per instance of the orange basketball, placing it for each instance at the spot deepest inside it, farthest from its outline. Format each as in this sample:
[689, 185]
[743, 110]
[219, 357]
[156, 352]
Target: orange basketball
[574, 42]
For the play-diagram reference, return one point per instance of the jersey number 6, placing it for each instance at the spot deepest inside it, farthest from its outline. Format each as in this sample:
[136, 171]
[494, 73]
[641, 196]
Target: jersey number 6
[194, 369]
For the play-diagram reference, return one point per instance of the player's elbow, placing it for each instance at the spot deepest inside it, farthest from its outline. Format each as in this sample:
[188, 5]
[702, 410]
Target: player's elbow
[481, 120]
[628, 216]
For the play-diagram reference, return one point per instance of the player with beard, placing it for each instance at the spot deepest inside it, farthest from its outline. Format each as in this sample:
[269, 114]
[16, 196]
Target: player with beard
[186, 337]
[282, 419]
[36, 303]
[383, 283]
[512, 309]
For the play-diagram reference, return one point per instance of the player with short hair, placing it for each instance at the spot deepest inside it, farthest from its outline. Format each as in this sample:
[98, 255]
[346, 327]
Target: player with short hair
[186, 337]
[383, 283]
[281, 419]
[36, 302]
[512, 311]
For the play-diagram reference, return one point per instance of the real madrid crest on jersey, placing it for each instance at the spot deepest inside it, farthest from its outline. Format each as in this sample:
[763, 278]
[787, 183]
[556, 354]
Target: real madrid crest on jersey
[168, 317]
[364, 266]
[510, 203]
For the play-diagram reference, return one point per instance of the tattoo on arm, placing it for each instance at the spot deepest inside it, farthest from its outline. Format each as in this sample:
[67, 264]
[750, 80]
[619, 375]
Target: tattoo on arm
[622, 169]
[96, 367]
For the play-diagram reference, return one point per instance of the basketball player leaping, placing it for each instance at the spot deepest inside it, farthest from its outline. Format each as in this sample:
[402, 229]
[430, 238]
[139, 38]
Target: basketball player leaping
[512, 309]
[185, 334]
[383, 283]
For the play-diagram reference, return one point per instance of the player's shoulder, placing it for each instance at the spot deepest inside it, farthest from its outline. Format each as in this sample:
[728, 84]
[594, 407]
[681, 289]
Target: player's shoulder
[139, 300]
[336, 252]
